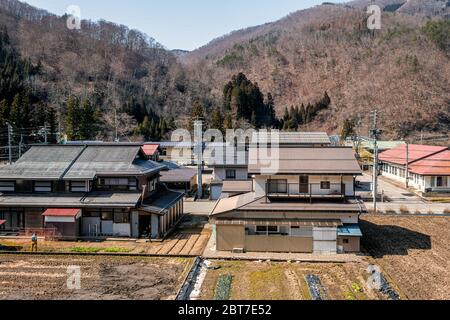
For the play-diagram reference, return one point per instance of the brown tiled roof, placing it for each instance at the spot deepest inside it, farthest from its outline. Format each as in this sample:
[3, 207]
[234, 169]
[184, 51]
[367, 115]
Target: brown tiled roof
[321, 160]
[285, 222]
[178, 175]
[249, 202]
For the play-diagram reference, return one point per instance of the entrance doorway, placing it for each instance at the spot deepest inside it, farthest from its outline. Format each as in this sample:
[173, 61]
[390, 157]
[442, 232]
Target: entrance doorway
[304, 185]
[145, 226]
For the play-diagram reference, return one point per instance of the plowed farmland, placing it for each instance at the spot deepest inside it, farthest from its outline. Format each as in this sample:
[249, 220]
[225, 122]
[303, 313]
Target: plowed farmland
[102, 278]
[413, 251]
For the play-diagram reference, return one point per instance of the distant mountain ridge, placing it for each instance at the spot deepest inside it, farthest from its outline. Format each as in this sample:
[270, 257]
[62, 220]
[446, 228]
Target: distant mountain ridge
[398, 69]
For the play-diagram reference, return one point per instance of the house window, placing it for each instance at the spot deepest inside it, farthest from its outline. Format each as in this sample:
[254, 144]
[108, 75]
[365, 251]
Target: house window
[152, 185]
[277, 186]
[107, 215]
[325, 185]
[118, 184]
[267, 229]
[7, 186]
[93, 213]
[346, 241]
[441, 182]
[42, 186]
[77, 186]
[231, 174]
[121, 217]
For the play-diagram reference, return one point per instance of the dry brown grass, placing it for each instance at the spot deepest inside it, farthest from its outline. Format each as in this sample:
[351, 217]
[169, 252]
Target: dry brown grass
[413, 251]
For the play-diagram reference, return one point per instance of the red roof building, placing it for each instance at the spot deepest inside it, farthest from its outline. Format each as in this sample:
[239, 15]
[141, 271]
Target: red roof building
[416, 152]
[428, 167]
[150, 150]
[435, 165]
[62, 213]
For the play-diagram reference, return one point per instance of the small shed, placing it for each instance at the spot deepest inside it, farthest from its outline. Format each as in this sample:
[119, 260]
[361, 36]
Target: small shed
[66, 222]
[179, 178]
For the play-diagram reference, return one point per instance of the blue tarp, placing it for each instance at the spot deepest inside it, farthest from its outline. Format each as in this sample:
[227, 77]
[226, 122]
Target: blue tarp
[350, 230]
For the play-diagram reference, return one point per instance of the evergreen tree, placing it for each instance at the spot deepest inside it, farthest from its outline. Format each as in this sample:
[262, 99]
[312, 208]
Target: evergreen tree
[4, 112]
[72, 119]
[197, 113]
[16, 115]
[87, 121]
[51, 121]
[217, 120]
[228, 122]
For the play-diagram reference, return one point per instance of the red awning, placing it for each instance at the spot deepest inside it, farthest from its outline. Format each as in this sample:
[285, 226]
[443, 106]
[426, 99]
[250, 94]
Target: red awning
[150, 149]
[61, 212]
[2, 222]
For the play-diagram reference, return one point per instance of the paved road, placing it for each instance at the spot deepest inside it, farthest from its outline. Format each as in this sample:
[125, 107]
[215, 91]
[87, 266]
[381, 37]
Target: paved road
[400, 200]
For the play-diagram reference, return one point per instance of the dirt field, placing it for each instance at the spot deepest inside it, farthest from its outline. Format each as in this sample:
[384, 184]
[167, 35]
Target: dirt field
[188, 241]
[413, 251]
[102, 278]
[286, 281]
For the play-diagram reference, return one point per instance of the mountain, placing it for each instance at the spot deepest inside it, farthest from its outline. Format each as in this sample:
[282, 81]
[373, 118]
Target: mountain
[125, 73]
[402, 70]
[423, 7]
[325, 53]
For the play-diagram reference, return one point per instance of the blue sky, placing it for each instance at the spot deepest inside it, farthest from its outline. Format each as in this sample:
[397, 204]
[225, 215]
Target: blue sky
[181, 24]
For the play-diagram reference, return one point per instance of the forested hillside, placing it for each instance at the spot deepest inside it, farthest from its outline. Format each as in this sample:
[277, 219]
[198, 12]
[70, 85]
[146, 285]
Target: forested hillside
[403, 70]
[316, 69]
[129, 80]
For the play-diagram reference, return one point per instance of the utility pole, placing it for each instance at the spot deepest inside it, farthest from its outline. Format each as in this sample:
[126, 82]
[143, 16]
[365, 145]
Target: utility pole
[45, 134]
[407, 165]
[116, 138]
[10, 132]
[20, 146]
[198, 140]
[375, 134]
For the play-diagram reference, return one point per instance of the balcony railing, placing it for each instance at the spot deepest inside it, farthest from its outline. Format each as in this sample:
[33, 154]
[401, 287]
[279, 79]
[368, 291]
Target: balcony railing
[306, 190]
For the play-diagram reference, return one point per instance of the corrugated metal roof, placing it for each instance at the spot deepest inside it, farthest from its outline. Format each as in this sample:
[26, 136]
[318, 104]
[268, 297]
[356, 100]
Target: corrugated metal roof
[42, 162]
[249, 202]
[178, 175]
[321, 160]
[61, 212]
[325, 223]
[350, 230]
[161, 201]
[291, 138]
[96, 199]
[416, 152]
[110, 160]
[79, 162]
[435, 165]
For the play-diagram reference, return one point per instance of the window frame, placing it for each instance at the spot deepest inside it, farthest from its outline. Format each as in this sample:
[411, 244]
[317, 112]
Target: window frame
[8, 188]
[45, 189]
[325, 185]
[229, 176]
[266, 230]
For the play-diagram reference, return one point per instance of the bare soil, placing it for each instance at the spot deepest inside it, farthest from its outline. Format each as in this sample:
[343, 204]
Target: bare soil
[286, 281]
[26, 277]
[413, 252]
